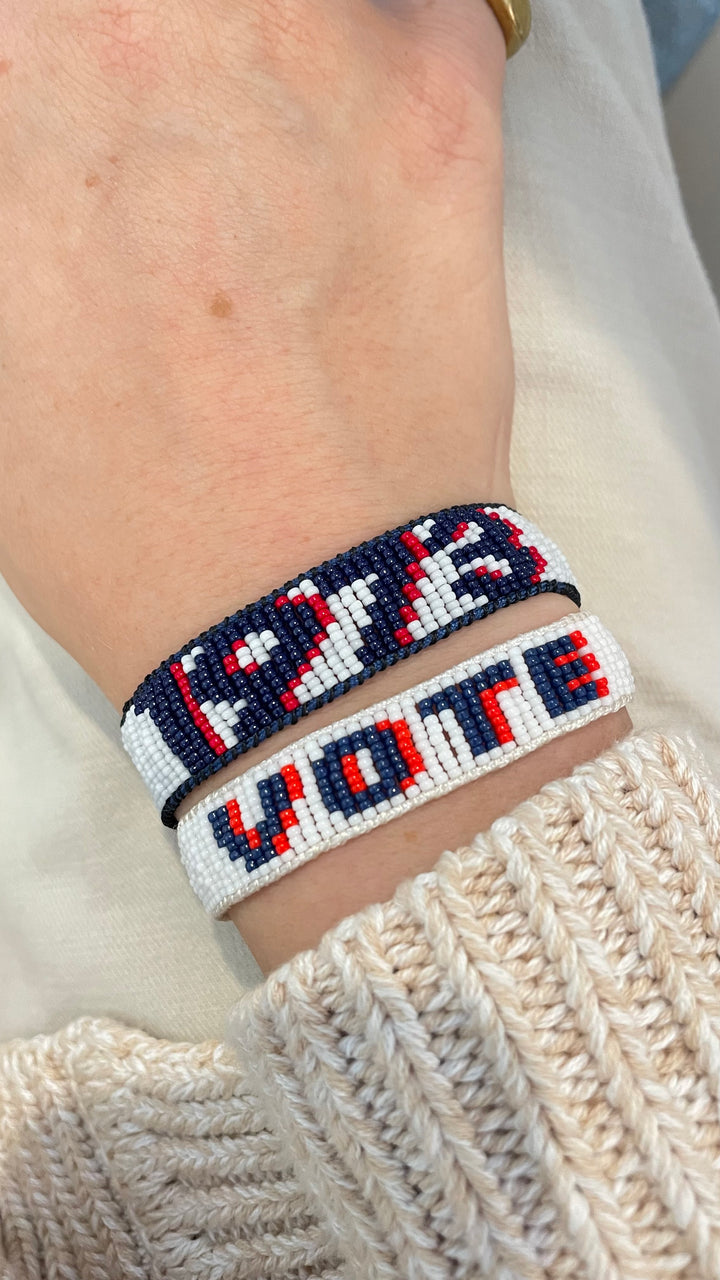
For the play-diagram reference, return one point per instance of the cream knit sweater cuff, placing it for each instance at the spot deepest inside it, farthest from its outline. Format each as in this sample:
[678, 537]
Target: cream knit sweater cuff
[511, 1070]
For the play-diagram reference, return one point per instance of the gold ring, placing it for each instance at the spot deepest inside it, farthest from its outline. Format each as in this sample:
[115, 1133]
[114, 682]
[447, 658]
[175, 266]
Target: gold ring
[515, 19]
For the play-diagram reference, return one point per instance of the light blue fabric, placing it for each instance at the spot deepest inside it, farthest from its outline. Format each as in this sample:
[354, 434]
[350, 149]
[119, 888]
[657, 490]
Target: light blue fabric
[678, 28]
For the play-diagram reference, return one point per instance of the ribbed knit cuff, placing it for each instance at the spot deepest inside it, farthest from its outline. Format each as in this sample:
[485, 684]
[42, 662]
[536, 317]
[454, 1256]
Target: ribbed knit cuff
[513, 1068]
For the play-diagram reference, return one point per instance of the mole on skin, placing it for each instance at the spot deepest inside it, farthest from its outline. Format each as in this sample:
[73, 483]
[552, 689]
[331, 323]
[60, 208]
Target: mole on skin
[5, 65]
[221, 305]
[92, 180]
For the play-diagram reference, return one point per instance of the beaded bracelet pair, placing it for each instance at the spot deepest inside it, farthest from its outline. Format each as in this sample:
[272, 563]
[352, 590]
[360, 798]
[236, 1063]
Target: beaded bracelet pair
[326, 632]
[329, 630]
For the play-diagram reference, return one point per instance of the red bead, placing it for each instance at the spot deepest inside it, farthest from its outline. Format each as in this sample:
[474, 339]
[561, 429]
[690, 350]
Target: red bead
[253, 838]
[407, 613]
[251, 666]
[602, 687]
[234, 817]
[289, 818]
[481, 571]
[496, 573]
[238, 644]
[231, 664]
[177, 668]
[320, 637]
[292, 781]
[312, 653]
[281, 601]
[578, 639]
[382, 725]
[575, 684]
[407, 783]
[289, 700]
[515, 532]
[565, 658]
[402, 635]
[413, 544]
[591, 662]
[293, 684]
[412, 592]
[353, 777]
[303, 668]
[281, 843]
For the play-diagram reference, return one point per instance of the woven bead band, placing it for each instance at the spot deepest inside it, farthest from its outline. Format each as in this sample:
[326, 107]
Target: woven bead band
[344, 780]
[325, 632]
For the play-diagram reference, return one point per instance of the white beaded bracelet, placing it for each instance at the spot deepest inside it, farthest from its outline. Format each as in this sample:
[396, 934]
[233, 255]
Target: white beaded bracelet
[354, 775]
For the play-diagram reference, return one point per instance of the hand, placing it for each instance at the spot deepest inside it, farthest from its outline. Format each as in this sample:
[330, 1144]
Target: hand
[251, 296]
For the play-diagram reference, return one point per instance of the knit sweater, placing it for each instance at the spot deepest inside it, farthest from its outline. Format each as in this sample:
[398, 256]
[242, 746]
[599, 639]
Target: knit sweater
[511, 1069]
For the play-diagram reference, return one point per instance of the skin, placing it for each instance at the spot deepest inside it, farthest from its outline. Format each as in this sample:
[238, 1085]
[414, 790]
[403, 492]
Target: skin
[252, 311]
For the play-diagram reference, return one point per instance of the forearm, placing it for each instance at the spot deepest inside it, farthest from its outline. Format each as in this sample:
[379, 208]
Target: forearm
[308, 341]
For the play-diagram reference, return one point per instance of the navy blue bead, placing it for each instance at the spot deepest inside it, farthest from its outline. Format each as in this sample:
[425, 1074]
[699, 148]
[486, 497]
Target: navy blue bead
[382, 762]
[399, 766]
[460, 705]
[280, 794]
[327, 793]
[265, 792]
[340, 787]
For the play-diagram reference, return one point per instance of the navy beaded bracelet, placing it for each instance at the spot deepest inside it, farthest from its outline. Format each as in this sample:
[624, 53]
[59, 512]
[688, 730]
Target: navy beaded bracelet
[327, 631]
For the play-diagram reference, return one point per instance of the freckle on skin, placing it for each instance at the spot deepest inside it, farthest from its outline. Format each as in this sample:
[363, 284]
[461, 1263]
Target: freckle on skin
[5, 65]
[114, 159]
[92, 180]
[221, 305]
